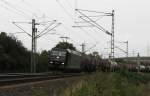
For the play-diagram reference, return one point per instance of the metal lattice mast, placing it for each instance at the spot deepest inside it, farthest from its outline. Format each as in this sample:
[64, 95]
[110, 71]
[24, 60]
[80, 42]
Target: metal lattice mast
[127, 49]
[112, 37]
[83, 47]
[33, 52]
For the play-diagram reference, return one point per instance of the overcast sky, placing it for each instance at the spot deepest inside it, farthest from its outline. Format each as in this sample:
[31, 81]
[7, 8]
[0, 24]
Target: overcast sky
[132, 21]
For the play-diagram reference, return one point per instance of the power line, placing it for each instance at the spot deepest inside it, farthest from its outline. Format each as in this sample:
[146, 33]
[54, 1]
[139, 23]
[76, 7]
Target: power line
[93, 23]
[87, 33]
[33, 13]
[69, 4]
[65, 10]
[99, 17]
[48, 31]
[54, 21]
[91, 37]
[95, 11]
[94, 30]
[21, 29]
[12, 11]
[12, 6]
[29, 5]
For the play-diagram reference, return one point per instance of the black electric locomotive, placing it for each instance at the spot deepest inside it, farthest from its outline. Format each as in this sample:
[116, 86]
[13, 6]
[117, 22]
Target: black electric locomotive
[64, 60]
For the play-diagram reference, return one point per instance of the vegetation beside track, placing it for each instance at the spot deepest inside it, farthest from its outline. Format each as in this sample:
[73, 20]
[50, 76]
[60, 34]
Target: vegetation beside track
[14, 57]
[115, 84]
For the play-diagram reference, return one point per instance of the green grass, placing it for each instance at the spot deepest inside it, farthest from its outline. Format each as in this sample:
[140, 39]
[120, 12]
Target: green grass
[39, 92]
[115, 84]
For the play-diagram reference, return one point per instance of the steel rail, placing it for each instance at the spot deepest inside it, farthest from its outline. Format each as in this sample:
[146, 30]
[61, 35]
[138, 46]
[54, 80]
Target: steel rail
[29, 79]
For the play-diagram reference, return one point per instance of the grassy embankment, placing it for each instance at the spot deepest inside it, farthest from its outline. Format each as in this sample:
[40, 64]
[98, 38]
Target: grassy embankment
[115, 84]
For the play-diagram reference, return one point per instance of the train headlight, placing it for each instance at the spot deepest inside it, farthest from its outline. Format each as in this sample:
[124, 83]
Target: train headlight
[51, 62]
[62, 63]
[57, 57]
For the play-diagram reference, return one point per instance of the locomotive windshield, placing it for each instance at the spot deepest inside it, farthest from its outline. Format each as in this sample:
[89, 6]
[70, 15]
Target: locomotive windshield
[58, 53]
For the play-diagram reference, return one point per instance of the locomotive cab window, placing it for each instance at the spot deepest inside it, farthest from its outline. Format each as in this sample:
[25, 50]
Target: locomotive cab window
[58, 53]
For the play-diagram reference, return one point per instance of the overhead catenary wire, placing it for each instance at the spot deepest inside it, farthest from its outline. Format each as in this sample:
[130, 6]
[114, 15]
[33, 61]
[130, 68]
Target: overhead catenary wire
[98, 18]
[13, 11]
[86, 32]
[95, 38]
[35, 10]
[48, 31]
[94, 11]
[69, 4]
[17, 32]
[31, 6]
[27, 10]
[94, 16]
[94, 23]
[47, 27]
[16, 9]
[64, 9]
[67, 29]
[13, 7]
[22, 29]
[24, 11]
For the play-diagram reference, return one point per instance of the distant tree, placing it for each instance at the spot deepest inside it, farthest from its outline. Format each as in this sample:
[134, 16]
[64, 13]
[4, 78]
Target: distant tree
[43, 61]
[65, 45]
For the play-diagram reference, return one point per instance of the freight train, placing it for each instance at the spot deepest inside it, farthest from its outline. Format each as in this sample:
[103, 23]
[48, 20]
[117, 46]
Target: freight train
[66, 60]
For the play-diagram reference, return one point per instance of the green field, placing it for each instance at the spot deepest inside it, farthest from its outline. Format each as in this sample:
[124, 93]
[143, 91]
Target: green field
[115, 84]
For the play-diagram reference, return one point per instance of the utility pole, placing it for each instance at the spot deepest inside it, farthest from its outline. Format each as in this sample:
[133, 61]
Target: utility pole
[34, 45]
[148, 50]
[83, 47]
[138, 62]
[112, 37]
[127, 48]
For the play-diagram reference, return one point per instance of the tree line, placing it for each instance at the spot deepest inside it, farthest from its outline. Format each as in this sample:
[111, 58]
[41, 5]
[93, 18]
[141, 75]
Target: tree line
[14, 57]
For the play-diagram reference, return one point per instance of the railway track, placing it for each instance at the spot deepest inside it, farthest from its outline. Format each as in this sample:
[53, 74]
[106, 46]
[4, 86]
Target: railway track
[7, 80]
